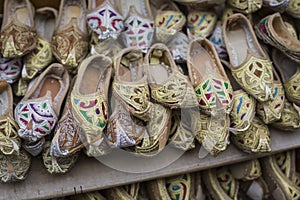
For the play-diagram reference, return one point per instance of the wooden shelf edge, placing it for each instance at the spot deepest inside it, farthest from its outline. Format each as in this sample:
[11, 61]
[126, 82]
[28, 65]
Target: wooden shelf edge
[90, 175]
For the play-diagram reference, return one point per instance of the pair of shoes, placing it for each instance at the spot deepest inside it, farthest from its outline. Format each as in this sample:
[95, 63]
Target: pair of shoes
[38, 111]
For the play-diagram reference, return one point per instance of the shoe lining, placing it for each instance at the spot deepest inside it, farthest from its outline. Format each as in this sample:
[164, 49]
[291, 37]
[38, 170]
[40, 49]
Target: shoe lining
[45, 25]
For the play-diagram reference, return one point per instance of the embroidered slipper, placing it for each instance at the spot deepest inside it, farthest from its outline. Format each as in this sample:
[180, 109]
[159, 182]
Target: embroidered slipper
[89, 100]
[36, 114]
[66, 140]
[244, 105]
[290, 118]
[278, 171]
[246, 6]
[200, 23]
[289, 71]
[104, 20]
[270, 111]
[130, 84]
[207, 75]
[14, 167]
[178, 47]
[10, 142]
[220, 184]
[10, 69]
[58, 165]
[169, 86]
[138, 23]
[293, 8]
[218, 42]
[249, 64]
[256, 139]
[272, 30]
[181, 186]
[168, 21]
[70, 39]
[18, 34]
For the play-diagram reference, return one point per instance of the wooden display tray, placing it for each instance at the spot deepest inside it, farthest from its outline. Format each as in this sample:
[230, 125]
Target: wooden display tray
[90, 175]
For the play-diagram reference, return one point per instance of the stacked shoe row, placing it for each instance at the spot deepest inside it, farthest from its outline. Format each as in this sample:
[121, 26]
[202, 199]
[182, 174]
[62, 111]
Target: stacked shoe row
[272, 177]
[145, 83]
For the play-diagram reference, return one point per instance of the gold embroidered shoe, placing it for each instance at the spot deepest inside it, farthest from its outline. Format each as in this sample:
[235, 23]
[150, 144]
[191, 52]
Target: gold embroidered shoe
[158, 131]
[211, 84]
[272, 30]
[89, 99]
[279, 173]
[200, 23]
[130, 84]
[289, 71]
[169, 86]
[256, 139]
[14, 167]
[66, 140]
[270, 111]
[290, 118]
[293, 8]
[168, 21]
[42, 56]
[181, 186]
[70, 40]
[246, 6]
[220, 184]
[58, 165]
[249, 64]
[37, 112]
[18, 34]
[10, 142]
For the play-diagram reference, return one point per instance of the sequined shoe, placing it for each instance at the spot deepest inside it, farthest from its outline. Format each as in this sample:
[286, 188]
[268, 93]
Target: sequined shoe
[249, 64]
[14, 167]
[89, 98]
[42, 56]
[10, 142]
[18, 34]
[211, 84]
[70, 40]
[272, 30]
[37, 113]
[169, 86]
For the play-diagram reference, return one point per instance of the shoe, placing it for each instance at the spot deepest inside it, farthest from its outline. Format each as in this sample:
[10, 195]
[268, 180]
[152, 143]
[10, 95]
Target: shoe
[128, 192]
[58, 165]
[66, 140]
[10, 142]
[207, 75]
[168, 85]
[217, 40]
[10, 69]
[70, 39]
[279, 173]
[130, 85]
[249, 64]
[289, 71]
[245, 6]
[178, 46]
[220, 184]
[290, 118]
[89, 99]
[276, 5]
[104, 20]
[273, 31]
[270, 111]
[293, 8]
[169, 20]
[200, 24]
[18, 34]
[256, 139]
[14, 167]
[246, 171]
[42, 56]
[37, 113]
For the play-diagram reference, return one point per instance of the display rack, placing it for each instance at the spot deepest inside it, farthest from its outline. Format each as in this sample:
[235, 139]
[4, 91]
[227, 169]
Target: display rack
[90, 175]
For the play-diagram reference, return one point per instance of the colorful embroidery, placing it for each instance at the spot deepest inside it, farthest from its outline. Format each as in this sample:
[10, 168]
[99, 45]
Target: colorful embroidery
[38, 113]
[179, 187]
[10, 69]
[106, 22]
